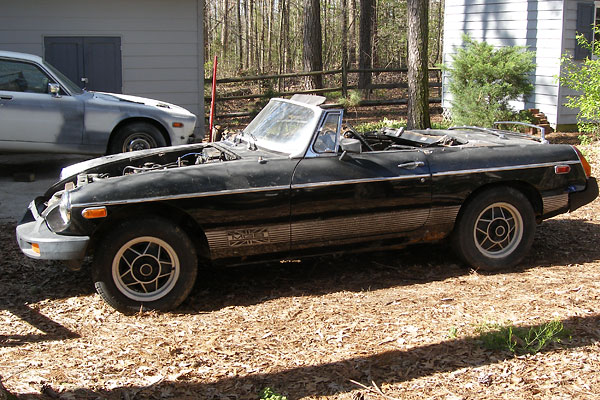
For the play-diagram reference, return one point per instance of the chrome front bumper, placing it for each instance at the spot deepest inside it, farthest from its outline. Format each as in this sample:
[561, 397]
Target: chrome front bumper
[52, 246]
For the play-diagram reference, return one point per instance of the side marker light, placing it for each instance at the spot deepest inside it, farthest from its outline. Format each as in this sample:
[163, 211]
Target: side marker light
[94, 212]
[587, 168]
[35, 247]
[562, 169]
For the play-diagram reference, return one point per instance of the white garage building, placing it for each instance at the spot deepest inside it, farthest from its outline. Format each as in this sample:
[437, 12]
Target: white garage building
[149, 48]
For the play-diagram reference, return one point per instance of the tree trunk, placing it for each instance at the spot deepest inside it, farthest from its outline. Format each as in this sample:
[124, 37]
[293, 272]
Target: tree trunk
[271, 32]
[365, 45]
[205, 30]
[224, 29]
[240, 33]
[345, 33]
[313, 58]
[418, 75]
[352, 34]
[440, 18]
[374, 44]
[289, 59]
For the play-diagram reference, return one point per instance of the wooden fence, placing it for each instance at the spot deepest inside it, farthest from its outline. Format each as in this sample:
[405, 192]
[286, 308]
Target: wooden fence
[343, 86]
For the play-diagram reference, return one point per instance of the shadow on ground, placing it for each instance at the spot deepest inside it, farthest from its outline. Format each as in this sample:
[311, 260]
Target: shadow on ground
[333, 378]
[25, 281]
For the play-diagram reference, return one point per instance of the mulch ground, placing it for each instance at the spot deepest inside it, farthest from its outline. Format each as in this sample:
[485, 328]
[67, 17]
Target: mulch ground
[376, 326]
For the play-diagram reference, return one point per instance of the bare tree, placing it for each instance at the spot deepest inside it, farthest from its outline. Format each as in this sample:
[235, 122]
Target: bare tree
[365, 59]
[345, 33]
[352, 33]
[313, 58]
[418, 74]
[224, 29]
[240, 34]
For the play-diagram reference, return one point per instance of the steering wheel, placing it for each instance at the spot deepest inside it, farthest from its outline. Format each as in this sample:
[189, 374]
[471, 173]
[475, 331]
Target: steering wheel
[350, 129]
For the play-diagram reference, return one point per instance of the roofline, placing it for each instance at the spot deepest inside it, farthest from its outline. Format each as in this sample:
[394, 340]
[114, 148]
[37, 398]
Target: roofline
[22, 56]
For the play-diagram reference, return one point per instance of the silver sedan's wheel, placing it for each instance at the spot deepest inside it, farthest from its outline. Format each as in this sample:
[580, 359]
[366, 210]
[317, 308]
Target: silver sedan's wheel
[498, 230]
[494, 229]
[145, 268]
[136, 136]
[138, 141]
[145, 263]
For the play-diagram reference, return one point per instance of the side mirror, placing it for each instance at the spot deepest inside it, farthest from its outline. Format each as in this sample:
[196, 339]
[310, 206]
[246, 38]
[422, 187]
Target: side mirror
[54, 89]
[349, 145]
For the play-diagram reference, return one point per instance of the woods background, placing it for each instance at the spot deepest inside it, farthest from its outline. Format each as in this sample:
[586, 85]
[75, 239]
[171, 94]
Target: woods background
[256, 37]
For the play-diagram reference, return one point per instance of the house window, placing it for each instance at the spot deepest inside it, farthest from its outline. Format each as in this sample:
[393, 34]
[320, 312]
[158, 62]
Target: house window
[586, 19]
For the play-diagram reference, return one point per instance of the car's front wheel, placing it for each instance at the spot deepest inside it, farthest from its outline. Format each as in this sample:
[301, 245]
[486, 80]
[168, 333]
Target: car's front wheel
[136, 136]
[495, 230]
[146, 264]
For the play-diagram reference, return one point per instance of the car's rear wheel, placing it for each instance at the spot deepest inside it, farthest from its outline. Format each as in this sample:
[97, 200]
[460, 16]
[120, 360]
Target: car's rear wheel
[145, 264]
[495, 230]
[136, 136]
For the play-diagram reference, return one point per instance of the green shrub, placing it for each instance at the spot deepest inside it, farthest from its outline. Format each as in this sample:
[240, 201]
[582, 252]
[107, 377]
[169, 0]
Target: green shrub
[483, 80]
[584, 77]
[351, 100]
[385, 123]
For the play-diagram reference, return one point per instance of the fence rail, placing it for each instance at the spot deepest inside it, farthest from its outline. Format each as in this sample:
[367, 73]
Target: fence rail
[434, 83]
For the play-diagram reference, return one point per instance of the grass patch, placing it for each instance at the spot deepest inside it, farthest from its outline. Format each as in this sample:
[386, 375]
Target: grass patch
[268, 394]
[521, 340]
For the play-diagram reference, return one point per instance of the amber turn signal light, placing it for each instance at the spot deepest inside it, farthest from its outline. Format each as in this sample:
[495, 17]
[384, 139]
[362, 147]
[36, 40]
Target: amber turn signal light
[177, 124]
[94, 212]
[35, 248]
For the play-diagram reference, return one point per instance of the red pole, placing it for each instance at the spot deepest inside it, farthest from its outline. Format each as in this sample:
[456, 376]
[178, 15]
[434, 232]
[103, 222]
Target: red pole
[212, 101]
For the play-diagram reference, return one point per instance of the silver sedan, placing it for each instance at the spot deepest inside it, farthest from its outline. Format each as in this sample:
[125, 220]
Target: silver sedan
[43, 111]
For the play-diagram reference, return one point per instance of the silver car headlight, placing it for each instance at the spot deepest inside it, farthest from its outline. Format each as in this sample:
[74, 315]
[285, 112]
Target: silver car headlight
[58, 217]
[64, 208]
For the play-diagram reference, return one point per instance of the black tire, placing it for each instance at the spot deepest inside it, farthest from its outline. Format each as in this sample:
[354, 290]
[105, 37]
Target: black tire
[495, 230]
[136, 136]
[148, 264]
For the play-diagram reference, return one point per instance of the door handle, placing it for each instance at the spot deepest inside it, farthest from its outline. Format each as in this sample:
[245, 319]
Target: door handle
[411, 164]
[5, 97]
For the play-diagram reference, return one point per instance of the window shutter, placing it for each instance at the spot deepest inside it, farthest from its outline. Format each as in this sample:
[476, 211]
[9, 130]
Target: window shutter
[585, 21]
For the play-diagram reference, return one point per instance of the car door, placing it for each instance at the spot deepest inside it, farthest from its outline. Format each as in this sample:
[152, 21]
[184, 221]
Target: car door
[30, 114]
[362, 197]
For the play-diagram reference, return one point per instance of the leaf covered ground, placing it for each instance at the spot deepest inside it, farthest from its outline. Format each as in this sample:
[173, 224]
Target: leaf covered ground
[388, 325]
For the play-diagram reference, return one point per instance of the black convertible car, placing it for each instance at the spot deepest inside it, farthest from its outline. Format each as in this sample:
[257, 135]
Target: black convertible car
[292, 184]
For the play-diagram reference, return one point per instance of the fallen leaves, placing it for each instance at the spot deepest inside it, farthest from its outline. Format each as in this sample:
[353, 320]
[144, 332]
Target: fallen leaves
[382, 321]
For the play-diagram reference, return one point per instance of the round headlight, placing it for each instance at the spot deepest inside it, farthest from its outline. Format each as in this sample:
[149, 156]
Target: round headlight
[64, 208]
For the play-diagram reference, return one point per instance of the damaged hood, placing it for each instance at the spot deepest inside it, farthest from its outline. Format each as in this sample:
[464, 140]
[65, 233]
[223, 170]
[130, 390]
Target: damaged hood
[168, 107]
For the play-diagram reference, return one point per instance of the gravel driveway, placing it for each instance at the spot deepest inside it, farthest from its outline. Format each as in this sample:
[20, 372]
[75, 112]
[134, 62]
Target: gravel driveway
[43, 168]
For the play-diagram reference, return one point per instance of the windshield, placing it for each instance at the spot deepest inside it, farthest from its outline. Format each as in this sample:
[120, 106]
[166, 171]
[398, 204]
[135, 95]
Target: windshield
[69, 84]
[284, 126]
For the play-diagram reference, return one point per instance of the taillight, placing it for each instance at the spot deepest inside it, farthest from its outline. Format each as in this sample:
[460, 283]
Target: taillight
[586, 165]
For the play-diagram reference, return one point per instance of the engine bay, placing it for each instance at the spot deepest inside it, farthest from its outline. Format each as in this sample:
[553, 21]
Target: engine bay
[206, 155]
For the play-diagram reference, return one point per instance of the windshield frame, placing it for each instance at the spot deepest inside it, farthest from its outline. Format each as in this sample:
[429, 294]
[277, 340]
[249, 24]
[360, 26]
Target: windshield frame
[306, 132]
[70, 86]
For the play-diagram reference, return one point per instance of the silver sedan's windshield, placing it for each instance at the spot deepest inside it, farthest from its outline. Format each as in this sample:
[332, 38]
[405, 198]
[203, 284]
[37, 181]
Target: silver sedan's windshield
[71, 86]
[284, 126]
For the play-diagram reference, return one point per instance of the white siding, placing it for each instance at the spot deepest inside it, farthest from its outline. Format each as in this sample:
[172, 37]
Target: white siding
[162, 49]
[568, 115]
[535, 24]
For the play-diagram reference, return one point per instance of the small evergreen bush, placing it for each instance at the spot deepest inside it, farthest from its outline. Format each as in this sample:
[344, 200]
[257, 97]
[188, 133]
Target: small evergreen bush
[584, 77]
[484, 79]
